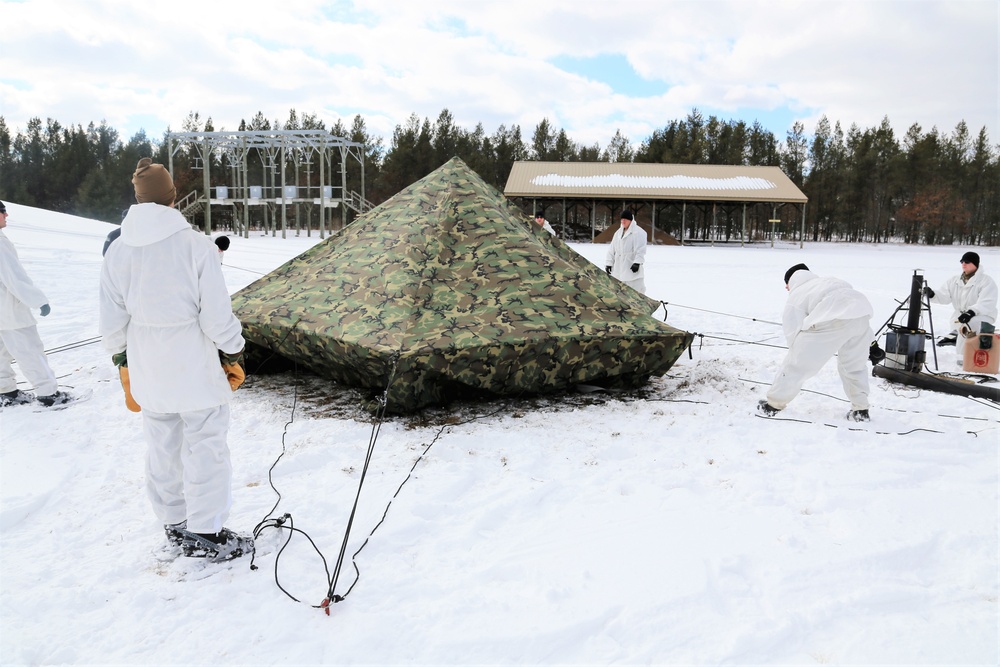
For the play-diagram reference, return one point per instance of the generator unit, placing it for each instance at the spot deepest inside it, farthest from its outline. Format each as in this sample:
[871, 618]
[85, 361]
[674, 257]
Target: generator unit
[904, 345]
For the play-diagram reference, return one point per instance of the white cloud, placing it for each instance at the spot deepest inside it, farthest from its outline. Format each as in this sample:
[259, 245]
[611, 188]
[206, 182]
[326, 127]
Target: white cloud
[916, 61]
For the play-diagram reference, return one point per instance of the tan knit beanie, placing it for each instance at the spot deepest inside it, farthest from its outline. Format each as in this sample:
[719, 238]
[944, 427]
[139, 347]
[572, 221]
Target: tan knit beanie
[153, 183]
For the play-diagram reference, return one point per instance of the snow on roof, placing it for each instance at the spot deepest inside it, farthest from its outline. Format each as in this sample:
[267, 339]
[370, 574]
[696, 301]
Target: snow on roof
[679, 182]
[698, 182]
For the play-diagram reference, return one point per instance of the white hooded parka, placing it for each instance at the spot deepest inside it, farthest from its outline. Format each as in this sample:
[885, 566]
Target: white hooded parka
[19, 297]
[628, 247]
[978, 294]
[164, 301]
[815, 300]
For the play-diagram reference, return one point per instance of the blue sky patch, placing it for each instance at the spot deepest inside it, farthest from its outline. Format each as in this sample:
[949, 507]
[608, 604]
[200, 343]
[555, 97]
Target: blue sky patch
[346, 11]
[614, 70]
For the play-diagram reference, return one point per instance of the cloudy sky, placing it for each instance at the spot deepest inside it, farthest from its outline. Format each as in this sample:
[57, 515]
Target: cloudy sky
[590, 67]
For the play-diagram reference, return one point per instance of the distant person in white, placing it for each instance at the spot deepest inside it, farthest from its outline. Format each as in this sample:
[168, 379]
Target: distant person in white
[823, 317]
[627, 254]
[222, 243]
[543, 223]
[973, 295]
[19, 339]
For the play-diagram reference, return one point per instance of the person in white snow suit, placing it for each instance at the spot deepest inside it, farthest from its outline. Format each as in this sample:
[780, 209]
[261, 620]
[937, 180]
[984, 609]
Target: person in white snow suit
[167, 319]
[19, 339]
[823, 317]
[627, 254]
[973, 295]
[543, 223]
[222, 243]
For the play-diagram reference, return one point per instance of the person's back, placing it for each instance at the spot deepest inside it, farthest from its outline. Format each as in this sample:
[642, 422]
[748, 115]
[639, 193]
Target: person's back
[173, 288]
[817, 299]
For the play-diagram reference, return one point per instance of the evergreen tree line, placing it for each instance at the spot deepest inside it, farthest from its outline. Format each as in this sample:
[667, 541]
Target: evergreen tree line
[865, 185]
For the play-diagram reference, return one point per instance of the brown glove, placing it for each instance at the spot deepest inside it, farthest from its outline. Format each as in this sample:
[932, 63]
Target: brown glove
[126, 385]
[231, 363]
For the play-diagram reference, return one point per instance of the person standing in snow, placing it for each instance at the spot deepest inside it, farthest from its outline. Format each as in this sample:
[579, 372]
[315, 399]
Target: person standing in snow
[167, 319]
[973, 294]
[543, 223]
[823, 317]
[627, 254]
[19, 339]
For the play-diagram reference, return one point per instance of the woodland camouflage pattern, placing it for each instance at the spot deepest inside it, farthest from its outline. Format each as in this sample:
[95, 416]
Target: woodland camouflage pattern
[447, 290]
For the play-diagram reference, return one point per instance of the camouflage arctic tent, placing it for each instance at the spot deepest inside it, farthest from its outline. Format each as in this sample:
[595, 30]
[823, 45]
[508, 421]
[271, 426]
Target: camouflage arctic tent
[447, 289]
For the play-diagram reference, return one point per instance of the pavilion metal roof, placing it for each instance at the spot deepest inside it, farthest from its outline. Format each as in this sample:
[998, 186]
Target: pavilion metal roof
[632, 180]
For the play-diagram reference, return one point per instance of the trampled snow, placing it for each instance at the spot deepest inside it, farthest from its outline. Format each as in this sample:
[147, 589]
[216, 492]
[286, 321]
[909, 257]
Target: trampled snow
[670, 525]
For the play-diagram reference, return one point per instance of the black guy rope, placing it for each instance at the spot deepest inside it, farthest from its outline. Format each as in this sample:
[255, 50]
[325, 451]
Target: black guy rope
[73, 346]
[357, 573]
[702, 336]
[376, 428]
[715, 312]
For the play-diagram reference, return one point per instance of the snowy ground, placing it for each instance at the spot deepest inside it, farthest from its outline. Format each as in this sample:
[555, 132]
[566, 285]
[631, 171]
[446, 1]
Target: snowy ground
[668, 526]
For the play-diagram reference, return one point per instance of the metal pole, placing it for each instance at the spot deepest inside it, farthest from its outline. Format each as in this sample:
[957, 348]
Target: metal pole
[322, 192]
[774, 220]
[284, 218]
[593, 220]
[343, 187]
[802, 235]
[246, 193]
[295, 202]
[743, 230]
[715, 224]
[363, 196]
[684, 211]
[653, 205]
[564, 218]
[208, 190]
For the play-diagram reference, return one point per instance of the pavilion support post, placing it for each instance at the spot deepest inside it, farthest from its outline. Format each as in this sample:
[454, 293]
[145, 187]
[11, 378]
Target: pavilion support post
[684, 210]
[284, 217]
[564, 218]
[654, 221]
[343, 188]
[207, 182]
[743, 228]
[593, 220]
[802, 233]
[715, 224]
[246, 193]
[322, 194]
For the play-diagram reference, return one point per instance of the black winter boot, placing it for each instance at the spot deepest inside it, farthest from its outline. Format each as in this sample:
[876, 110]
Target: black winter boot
[218, 547]
[859, 416]
[766, 408]
[16, 397]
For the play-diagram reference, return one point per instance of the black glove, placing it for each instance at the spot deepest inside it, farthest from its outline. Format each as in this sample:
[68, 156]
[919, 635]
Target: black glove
[875, 354]
[966, 316]
[928, 292]
[120, 359]
[608, 269]
[45, 310]
[635, 268]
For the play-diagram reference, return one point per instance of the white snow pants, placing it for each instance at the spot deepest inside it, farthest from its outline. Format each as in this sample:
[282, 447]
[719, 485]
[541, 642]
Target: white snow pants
[188, 471]
[812, 348]
[24, 345]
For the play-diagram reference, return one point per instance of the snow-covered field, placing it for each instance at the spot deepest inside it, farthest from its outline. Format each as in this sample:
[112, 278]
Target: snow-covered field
[667, 526]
